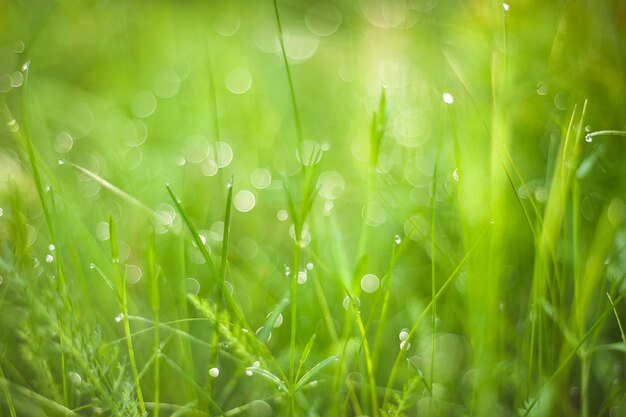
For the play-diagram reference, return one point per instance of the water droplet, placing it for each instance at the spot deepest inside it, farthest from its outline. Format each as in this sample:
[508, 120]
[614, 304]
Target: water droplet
[330, 185]
[18, 47]
[370, 283]
[119, 318]
[75, 378]
[92, 266]
[13, 126]
[455, 174]
[17, 78]
[133, 273]
[300, 45]
[397, 239]
[51, 247]
[244, 201]
[309, 153]
[543, 88]
[249, 372]
[1, 211]
[282, 215]
[25, 66]
[588, 138]
[302, 277]
[328, 207]
[227, 23]
[588, 128]
[505, 7]
[102, 231]
[404, 335]
[60, 162]
[287, 271]
[279, 320]
[247, 248]
[447, 98]
[180, 160]
[269, 335]
[310, 266]
[322, 19]
[143, 104]
[192, 286]
[49, 258]
[239, 81]
[167, 84]
[221, 153]
[403, 344]
[261, 178]
[1, 279]
[214, 372]
[376, 213]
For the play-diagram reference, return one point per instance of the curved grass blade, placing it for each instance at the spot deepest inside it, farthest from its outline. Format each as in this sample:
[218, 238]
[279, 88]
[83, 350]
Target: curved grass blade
[269, 376]
[314, 371]
[305, 355]
[207, 257]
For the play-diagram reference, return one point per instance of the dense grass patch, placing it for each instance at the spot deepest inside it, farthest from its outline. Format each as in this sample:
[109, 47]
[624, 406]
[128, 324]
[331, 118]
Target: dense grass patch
[342, 208]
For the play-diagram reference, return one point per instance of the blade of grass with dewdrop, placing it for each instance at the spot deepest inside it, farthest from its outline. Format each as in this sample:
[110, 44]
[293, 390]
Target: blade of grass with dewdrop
[442, 289]
[207, 257]
[263, 335]
[169, 328]
[112, 188]
[314, 371]
[153, 362]
[257, 348]
[221, 283]
[590, 135]
[433, 281]
[121, 288]
[104, 277]
[268, 376]
[191, 380]
[62, 286]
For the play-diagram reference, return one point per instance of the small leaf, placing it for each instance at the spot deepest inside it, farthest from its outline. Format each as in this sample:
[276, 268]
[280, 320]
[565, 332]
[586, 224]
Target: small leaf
[305, 354]
[314, 371]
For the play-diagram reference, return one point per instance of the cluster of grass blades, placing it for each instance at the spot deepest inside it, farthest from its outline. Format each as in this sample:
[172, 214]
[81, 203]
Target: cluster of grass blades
[458, 275]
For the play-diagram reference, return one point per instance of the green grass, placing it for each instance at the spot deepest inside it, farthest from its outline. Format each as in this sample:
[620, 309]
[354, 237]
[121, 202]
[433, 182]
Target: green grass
[351, 208]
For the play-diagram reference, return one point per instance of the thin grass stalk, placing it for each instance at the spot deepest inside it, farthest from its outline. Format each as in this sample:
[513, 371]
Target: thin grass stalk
[121, 288]
[62, 282]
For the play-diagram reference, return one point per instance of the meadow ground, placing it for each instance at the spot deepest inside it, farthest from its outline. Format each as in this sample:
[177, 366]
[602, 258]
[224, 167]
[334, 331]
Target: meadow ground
[343, 208]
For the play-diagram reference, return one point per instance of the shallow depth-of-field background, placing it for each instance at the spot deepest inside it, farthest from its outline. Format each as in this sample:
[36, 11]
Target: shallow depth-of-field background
[340, 208]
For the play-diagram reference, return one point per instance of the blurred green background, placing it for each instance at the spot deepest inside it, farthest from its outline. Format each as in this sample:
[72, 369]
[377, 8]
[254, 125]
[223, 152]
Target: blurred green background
[192, 93]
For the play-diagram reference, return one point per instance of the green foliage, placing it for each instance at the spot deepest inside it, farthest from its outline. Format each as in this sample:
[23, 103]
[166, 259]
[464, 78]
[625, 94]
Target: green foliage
[346, 208]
